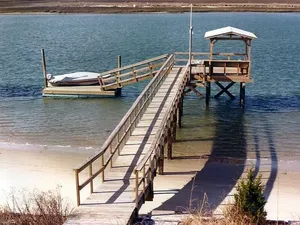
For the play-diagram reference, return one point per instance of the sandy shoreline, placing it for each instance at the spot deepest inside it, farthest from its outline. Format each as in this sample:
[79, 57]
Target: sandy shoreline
[108, 8]
[38, 167]
[45, 169]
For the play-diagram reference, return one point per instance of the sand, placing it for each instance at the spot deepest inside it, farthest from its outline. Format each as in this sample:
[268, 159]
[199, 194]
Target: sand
[213, 183]
[38, 167]
[185, 179]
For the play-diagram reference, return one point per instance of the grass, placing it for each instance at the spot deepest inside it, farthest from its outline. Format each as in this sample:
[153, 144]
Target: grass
[34, 208]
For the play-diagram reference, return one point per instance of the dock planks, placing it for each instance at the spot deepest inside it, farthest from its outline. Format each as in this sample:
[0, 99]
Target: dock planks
[113, 202]
[77, 91]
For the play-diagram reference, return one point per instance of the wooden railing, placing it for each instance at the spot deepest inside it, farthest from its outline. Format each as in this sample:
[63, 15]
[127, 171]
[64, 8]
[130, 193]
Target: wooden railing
[182, 57]
[145, 171]
[121, 133]
[116, 78]
[228, 67]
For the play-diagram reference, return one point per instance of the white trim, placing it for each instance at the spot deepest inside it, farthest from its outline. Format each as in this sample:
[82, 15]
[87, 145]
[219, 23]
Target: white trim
[229, 31]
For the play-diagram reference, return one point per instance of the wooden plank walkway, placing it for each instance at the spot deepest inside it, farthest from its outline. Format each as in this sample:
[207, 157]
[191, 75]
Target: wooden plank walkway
[113, 202]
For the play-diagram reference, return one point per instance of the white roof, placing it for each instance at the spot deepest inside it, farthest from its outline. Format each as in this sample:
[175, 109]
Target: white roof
[229, 31]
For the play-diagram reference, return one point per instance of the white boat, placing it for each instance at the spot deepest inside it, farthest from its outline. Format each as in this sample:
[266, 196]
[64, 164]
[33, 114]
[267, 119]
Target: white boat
[74, 79]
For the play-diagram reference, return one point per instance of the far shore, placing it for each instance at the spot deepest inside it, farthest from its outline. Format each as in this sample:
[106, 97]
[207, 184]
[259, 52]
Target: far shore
[109, 8]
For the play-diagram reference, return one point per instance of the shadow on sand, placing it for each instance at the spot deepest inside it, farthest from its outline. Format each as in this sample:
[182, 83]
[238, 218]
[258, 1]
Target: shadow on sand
[225, 165]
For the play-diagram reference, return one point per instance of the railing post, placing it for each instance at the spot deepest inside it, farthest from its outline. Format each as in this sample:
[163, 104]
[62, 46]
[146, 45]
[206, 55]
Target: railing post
[111, 152]
[144, 183]
[77, 187]
[91, 174]
[119, 143]
[102, 165]
[137, 189]
[150, 185]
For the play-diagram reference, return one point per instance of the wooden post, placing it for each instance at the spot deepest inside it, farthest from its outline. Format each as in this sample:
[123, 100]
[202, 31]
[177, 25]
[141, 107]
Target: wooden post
[77, 187]
[174, 126]
[44, 68]
[207, 94]
[161, 159]
[169, 140]
[119, 73]
[249, 56]
[179, 111]
[119, 61]
[136, 189]
[102, 165]
[242, 94]
[211, 49]
[91, 174]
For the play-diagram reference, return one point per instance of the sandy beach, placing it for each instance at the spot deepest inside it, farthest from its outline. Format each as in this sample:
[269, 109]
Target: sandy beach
[214, 183]
[44, 168]
[32, 167]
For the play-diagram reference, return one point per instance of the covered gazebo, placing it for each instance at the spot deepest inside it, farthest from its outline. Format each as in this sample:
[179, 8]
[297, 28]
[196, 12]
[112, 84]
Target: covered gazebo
[229, 69]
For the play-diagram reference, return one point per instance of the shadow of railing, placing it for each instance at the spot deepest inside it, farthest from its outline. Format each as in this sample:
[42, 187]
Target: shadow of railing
[218, 177]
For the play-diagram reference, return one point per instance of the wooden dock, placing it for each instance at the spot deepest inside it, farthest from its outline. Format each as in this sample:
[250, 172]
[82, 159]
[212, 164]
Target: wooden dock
[117, 199]
[110, 82]
[135, 151]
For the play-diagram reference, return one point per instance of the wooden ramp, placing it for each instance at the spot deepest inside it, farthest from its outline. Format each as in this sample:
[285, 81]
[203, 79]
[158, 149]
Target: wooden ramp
[117, 199]
[110, 82]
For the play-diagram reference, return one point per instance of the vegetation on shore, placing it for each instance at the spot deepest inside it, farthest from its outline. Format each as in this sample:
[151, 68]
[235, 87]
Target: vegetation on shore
[35, 208]
[19, 6]
[247, 209]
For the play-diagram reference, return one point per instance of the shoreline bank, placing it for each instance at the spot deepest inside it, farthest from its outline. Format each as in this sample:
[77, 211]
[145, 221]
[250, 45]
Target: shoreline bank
[126, 8]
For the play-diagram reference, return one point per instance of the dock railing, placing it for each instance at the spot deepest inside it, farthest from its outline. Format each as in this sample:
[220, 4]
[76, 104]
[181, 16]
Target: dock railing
[182, 57]
[116, 78]
[146, 169]
[120, 134]
[222, 63]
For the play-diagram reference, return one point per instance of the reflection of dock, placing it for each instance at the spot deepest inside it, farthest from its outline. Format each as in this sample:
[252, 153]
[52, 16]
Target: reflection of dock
[134, 153]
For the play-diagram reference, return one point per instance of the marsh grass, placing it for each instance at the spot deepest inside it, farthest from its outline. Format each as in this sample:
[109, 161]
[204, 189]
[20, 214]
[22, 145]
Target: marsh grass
[34, 208]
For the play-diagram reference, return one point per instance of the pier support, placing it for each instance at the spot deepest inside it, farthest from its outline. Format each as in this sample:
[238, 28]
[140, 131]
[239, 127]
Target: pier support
[207, 93]
[169, 142]
[161, 160]
[224, 90]
[179, 111]
[174, 126]
[242, 94]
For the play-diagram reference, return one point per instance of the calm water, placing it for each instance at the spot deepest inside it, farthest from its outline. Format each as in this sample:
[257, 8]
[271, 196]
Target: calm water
[270, 122]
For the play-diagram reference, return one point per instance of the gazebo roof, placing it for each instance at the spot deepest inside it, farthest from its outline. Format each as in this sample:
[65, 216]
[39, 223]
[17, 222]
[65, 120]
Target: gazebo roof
[228, 31]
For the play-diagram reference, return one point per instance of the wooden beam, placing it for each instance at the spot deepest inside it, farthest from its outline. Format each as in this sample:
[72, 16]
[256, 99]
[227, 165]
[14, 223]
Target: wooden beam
[224, 90]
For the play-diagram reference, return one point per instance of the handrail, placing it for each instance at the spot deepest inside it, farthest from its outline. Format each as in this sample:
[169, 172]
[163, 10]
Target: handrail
[122, 130]
[158, 141]
[116, 78]
[134, 65]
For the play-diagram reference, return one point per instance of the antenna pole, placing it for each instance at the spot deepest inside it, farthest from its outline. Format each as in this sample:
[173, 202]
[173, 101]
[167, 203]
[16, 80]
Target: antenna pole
[191, 40]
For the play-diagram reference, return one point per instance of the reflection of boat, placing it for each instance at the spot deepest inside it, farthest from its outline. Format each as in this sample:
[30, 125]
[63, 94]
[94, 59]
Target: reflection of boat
[74, 79]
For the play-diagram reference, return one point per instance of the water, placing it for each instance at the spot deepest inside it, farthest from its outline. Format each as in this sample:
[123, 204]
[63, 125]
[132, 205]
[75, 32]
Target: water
[270, 122]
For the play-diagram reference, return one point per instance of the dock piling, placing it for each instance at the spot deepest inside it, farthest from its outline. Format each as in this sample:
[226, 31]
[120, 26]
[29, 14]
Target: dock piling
[242, 94]
[44, 67]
